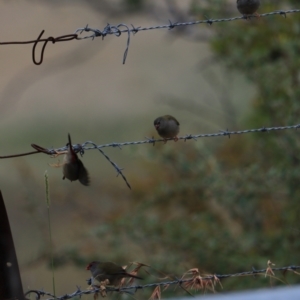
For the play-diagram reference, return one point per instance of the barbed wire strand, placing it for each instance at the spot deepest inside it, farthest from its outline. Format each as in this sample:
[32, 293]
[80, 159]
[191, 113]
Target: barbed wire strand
[80, 148]
[116, 31]
[84, 146]
[133, 289]
[194, 137]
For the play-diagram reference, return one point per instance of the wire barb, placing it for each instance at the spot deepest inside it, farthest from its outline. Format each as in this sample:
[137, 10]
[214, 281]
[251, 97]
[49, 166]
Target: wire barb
[209, 21]
[172, 25]
[151, 140]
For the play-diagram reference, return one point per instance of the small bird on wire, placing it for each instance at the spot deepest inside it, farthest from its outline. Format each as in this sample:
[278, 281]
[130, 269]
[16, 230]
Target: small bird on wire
[108, 270]
[167, 127]
[73, 167]
[248, 7]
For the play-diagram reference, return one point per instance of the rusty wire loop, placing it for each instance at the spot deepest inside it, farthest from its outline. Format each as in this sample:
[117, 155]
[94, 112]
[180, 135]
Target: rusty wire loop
[133, 289]
[62, 38]
[115, 30]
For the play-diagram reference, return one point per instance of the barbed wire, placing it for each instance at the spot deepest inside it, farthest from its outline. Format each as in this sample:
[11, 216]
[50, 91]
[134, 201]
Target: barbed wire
[81, 148]
[116, 31]
[200, 281]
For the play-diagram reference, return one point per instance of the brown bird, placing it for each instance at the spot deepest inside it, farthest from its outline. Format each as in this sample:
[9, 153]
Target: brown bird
[73, 167]
[167, 127]
[248, 7]
[108, 270]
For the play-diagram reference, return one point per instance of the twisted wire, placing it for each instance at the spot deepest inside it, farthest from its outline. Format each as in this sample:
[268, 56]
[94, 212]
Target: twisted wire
[194, 137]
[90, 145]
[114, 29]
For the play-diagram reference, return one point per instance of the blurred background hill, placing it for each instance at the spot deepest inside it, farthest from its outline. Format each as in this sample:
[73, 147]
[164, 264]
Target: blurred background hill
[222, 205]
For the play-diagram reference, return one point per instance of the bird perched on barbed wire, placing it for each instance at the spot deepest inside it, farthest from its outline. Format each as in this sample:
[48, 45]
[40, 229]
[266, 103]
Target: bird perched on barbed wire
[108, 270]
[73, 167]
[167, 127]
[248, 7]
